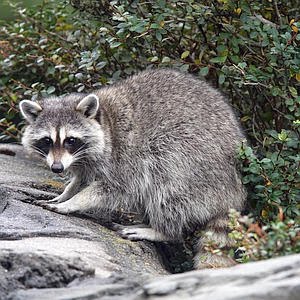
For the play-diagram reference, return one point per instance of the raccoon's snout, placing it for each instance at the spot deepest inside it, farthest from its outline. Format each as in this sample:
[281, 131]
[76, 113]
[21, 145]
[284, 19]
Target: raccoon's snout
[57, 167]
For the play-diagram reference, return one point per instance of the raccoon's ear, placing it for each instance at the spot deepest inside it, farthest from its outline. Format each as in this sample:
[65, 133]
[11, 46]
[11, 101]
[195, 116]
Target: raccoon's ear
[30, 110]
[89, 106]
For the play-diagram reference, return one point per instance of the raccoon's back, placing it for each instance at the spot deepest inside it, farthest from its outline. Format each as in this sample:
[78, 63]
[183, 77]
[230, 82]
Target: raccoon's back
[165, 108]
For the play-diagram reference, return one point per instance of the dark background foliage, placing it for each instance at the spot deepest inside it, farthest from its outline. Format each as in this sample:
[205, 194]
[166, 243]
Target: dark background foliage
[247, 48]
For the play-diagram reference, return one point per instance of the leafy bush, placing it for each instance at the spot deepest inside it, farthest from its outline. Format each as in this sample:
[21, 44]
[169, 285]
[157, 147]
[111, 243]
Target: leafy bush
[274, 179]
[248, 48]
[254, 242]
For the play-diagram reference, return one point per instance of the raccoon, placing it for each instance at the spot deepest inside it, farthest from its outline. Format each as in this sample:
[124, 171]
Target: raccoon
[161, 142]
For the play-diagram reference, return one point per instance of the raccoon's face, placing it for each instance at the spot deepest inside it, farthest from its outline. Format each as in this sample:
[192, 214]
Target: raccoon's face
[59, 150]
[62, 136]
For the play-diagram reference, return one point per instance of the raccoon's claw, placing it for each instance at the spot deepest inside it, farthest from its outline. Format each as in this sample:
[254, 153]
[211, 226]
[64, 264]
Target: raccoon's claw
[52, 201]
[51, 206]
[40, 202]
[139, 232]
[130, 234]
[116, 226]
[46, 205]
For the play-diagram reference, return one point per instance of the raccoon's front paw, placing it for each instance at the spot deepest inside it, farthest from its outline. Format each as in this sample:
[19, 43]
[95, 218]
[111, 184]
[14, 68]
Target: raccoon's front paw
[128, 233]
[56, 200]
[59, 208]
[46, 203]
[138, 233]
[41, 203]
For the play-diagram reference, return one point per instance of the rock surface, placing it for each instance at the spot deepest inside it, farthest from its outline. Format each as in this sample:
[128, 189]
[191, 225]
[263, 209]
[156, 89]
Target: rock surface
[275, 279]
[44, 255]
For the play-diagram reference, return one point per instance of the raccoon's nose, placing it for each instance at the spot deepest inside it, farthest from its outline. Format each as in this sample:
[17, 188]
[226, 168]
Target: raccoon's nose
[57, 167]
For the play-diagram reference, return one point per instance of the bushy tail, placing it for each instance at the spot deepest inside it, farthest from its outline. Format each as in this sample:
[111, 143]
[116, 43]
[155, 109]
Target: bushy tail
[214, 237]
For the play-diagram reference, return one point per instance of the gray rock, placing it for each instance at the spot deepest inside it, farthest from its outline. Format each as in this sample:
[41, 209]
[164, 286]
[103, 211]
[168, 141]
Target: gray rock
[277, 278]
[31, 270]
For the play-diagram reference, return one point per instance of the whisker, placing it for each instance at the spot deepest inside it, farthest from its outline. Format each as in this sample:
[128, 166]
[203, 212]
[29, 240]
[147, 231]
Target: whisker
[80, 148]
[38, 150]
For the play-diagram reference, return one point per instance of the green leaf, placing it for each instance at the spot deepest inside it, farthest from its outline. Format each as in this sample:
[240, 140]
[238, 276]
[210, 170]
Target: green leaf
[293, 91]
[64, 80]
[166, 60]
[218, 59]
[185, 54]
[115, 45]
[275, 91]
[154, 59]
[204, 71]
[265, 160]
[221, 78]
[155, 26]
[283, 136]
[158, 36]
[50, 90]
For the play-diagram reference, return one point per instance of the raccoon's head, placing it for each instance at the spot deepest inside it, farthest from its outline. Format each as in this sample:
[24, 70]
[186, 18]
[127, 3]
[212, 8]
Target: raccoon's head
[64, 131]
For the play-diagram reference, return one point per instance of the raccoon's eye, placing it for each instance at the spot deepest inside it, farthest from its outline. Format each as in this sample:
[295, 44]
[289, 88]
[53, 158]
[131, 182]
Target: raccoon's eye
[43, 145]
[73, 144]
[46, 141]
[70, 141]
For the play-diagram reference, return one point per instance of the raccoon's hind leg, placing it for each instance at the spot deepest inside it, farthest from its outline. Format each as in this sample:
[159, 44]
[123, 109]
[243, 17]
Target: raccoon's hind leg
[140, 232]
[216, 233]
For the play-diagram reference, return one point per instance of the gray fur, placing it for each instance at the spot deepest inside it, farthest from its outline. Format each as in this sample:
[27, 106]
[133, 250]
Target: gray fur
[162, 143]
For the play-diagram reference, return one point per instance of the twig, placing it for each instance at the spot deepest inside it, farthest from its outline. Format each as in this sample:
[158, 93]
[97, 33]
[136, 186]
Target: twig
[239, 69]
[255, 83]
[265, 21]
[277, 12]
